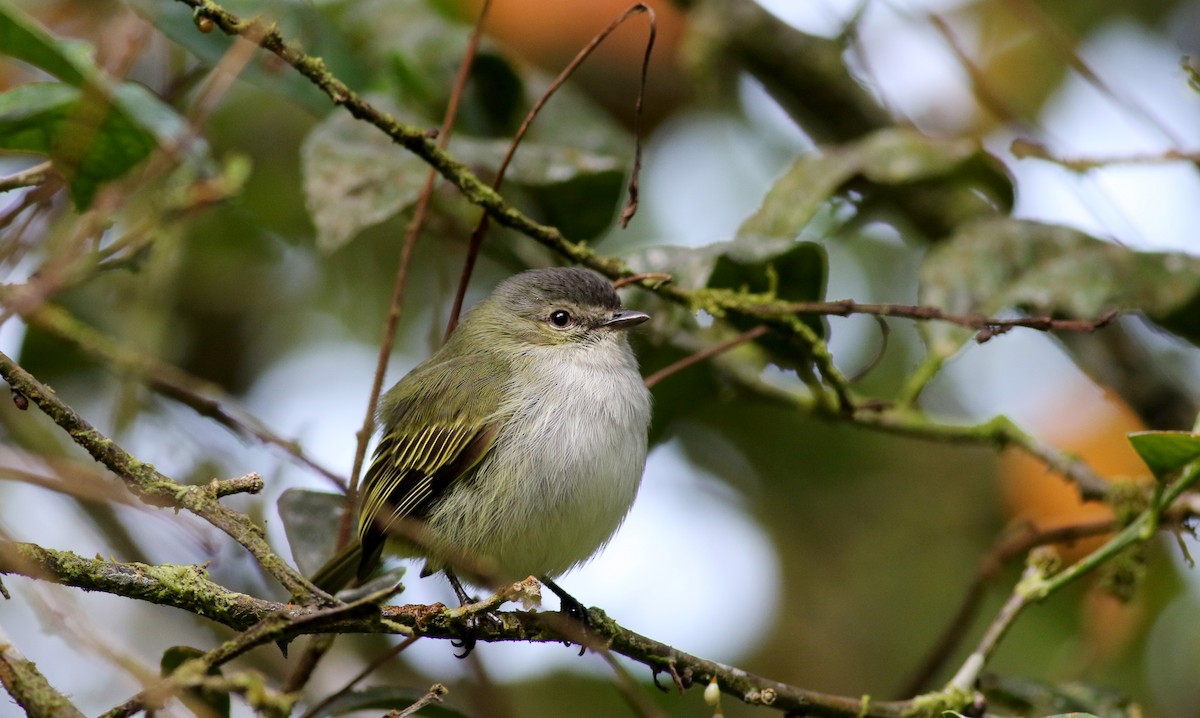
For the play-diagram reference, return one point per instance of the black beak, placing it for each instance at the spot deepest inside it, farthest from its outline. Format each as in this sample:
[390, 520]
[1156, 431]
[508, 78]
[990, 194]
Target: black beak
[625, 319]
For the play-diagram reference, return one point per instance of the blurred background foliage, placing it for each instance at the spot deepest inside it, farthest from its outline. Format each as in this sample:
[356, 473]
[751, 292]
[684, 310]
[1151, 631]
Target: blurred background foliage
[225, 220]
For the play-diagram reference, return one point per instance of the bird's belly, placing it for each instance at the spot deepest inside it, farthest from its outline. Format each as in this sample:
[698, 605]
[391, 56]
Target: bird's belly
[555, 488]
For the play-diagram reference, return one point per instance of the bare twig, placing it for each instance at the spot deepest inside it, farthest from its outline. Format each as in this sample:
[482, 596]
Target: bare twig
[1010, 546]
[484, 220]
[203, 397]
[1041, 579]
[28, 177]
[434, 695]
[659, 277]
[986, 94]
[396, 305]
[988, 326]
[1025, 148]
[703, 354]
[366, 671]
[630, 690]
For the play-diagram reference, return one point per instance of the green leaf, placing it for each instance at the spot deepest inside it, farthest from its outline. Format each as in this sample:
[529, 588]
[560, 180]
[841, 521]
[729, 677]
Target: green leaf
[796, 274]
[891, 157]
[1166, 451]
[21, 37]
[383, 698]
[493, 105]
[355, 177]
[576, 190]
[174, 21]
[310, 522]
[90, 140]
[94, 132]
[1000, 264]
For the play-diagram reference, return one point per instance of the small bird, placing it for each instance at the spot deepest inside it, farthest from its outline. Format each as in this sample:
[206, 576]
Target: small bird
[517, 449]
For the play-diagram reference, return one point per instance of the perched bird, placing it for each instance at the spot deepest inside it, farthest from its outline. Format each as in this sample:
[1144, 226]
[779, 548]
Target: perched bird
[515, 450]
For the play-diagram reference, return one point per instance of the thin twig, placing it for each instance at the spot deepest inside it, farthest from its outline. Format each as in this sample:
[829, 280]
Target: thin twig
[1006, 549]
[1041, 580]
[203, 397]
[28, 177]
[990, 325]
[703, 354]
[659, 277]
[982, 86]
[1025, 149]
[396, 305]
[366, 671]
[272, 627]
[630, 690]
[434, 695]
[484, 220]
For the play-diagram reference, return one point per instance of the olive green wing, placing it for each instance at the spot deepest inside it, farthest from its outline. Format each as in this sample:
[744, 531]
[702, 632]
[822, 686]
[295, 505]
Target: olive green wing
[439, 424]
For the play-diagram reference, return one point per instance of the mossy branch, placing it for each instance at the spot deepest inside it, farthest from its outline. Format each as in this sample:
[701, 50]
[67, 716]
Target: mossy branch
[153, 487]
[29, 687]
[261, 621]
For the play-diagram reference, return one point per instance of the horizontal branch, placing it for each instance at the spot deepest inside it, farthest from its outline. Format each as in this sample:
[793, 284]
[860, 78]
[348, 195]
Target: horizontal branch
[988, 326]
[1026, 149]
[190, 589]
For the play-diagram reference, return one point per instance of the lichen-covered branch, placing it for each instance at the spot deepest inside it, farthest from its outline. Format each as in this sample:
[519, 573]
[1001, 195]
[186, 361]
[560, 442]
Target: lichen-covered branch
[262, 621]
[29, 688]
[153, 487]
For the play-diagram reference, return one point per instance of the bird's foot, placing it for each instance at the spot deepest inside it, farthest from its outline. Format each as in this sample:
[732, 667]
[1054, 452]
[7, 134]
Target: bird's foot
[580, 617]
[477, 623]
[480, 616]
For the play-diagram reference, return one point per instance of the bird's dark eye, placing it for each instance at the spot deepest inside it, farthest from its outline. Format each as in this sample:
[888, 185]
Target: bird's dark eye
[560, 318]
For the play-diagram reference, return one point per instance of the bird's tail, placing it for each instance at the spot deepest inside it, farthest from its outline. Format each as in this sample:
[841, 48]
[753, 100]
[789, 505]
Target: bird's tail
[341, 570]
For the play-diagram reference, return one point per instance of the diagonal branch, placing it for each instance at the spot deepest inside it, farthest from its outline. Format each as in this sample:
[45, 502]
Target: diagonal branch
[29, 687]
[153, 487]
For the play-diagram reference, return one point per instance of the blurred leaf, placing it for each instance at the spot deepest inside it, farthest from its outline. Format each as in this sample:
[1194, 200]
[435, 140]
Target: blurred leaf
[174, 20]
[493, 103]
[577, 191]
[355, 177]
[380, 698]
[796, 274]
[409, 44]
[89, 140]
[1166, 451]
[21, 37]
[999, 264]
[887, 157]
[310, 520]
[201, 702]
[1037, 698]
[94, 131]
